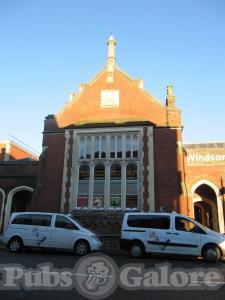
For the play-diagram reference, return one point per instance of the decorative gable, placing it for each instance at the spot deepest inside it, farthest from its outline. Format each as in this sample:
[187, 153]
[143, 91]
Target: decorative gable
[119, 100]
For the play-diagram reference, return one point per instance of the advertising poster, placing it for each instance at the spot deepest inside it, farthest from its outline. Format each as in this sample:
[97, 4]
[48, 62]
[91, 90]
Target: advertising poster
[115, 201]
[82, 201]
[98, 202]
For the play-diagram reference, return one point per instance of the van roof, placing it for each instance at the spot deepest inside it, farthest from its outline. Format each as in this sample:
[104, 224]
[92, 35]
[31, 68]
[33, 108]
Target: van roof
[36, 212]
[151, 213]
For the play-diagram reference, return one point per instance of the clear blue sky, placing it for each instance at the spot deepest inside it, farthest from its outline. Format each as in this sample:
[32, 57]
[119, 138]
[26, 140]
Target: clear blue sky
[48, 47]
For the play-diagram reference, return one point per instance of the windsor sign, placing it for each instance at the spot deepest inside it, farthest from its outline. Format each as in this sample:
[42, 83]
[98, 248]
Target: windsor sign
[206, 156]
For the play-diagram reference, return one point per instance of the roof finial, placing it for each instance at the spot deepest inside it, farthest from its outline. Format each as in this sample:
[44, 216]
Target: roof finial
[169, 90]
[170, 99]
[111, 43]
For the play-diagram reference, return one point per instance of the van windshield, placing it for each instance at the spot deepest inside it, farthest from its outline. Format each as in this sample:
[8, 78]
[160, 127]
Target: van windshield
[201, 225]
[77, 221]
[82, 225]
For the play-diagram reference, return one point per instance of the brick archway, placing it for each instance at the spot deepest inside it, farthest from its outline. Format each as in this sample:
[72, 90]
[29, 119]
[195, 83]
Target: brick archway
[218, 201]
[207, 205]
[10, 199]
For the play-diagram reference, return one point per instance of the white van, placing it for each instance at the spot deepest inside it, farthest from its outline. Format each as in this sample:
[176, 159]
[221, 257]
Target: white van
[49, 230]
[169, 233]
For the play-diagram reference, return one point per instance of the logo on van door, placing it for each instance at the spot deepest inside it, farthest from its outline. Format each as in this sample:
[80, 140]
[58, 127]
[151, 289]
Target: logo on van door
[158, 239]
[40, 236]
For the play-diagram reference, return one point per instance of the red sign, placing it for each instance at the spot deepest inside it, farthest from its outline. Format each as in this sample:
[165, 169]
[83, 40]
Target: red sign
[82, 201]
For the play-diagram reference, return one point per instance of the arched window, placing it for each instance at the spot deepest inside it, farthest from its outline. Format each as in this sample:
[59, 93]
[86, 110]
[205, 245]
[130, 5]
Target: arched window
[131, 186]
[131, 172]
[83, 186]
[98, 193]
[131, 201]
[84, 172]
[99, 172]
[115, 172]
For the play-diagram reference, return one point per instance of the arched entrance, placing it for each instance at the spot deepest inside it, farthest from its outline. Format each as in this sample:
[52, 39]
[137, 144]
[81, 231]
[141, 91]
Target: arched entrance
[207, 205]
[205, 209]
[19, 199]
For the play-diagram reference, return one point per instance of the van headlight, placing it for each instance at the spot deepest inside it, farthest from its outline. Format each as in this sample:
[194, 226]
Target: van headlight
[96, 238]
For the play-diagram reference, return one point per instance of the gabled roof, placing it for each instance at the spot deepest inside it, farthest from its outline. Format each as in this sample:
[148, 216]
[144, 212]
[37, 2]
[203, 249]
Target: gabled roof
[135, 103]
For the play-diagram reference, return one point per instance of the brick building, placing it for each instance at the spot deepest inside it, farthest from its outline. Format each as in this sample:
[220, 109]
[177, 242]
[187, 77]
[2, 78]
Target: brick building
[12, 150]
[205, 182]
[114, 147]
[18, 175]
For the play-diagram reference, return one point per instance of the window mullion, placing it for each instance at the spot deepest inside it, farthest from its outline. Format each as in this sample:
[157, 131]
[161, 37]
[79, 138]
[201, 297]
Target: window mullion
[85, 147]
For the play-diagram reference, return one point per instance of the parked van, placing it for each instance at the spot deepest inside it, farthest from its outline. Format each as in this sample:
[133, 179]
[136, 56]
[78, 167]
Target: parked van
[49, 230]
[169, 233]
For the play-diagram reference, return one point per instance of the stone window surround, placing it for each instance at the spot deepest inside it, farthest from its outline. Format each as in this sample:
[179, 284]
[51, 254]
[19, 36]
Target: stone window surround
[107, 131]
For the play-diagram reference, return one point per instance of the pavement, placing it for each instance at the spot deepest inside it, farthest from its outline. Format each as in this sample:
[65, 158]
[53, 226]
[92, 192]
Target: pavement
[60, 261]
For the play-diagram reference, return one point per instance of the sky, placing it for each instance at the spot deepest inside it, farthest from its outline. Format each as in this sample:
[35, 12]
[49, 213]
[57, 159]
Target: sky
[49, 47]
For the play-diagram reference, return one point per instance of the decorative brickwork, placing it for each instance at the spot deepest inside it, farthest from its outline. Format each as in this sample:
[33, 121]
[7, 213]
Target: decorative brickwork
[69, 162]
[145, 169]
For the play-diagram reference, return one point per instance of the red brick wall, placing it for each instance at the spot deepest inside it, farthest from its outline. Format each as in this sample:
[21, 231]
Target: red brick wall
[212, 173]
[50, 174]
[17, 173]
[167, 175]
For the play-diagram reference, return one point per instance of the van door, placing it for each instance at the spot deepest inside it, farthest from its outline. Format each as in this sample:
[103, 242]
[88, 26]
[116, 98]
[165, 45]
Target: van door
[186, 236]
[158, 233]
[21, 225]
[63, 233]
[34, 229]
[40, 230]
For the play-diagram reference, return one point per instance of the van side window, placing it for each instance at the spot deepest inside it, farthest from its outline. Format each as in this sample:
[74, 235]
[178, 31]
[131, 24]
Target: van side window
[183, 224]
[159, 222]
[22, 220]
[33, 219]
[145, 221]
[63, 222]
[41, 220]
[136, 221]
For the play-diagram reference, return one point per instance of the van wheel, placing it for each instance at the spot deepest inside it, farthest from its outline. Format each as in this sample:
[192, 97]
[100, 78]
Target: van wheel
[15, 244]
[81, 247]
[212, 253]
[137, 249]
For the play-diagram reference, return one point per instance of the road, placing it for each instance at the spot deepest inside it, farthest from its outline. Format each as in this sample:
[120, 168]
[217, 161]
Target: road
[68, 260]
